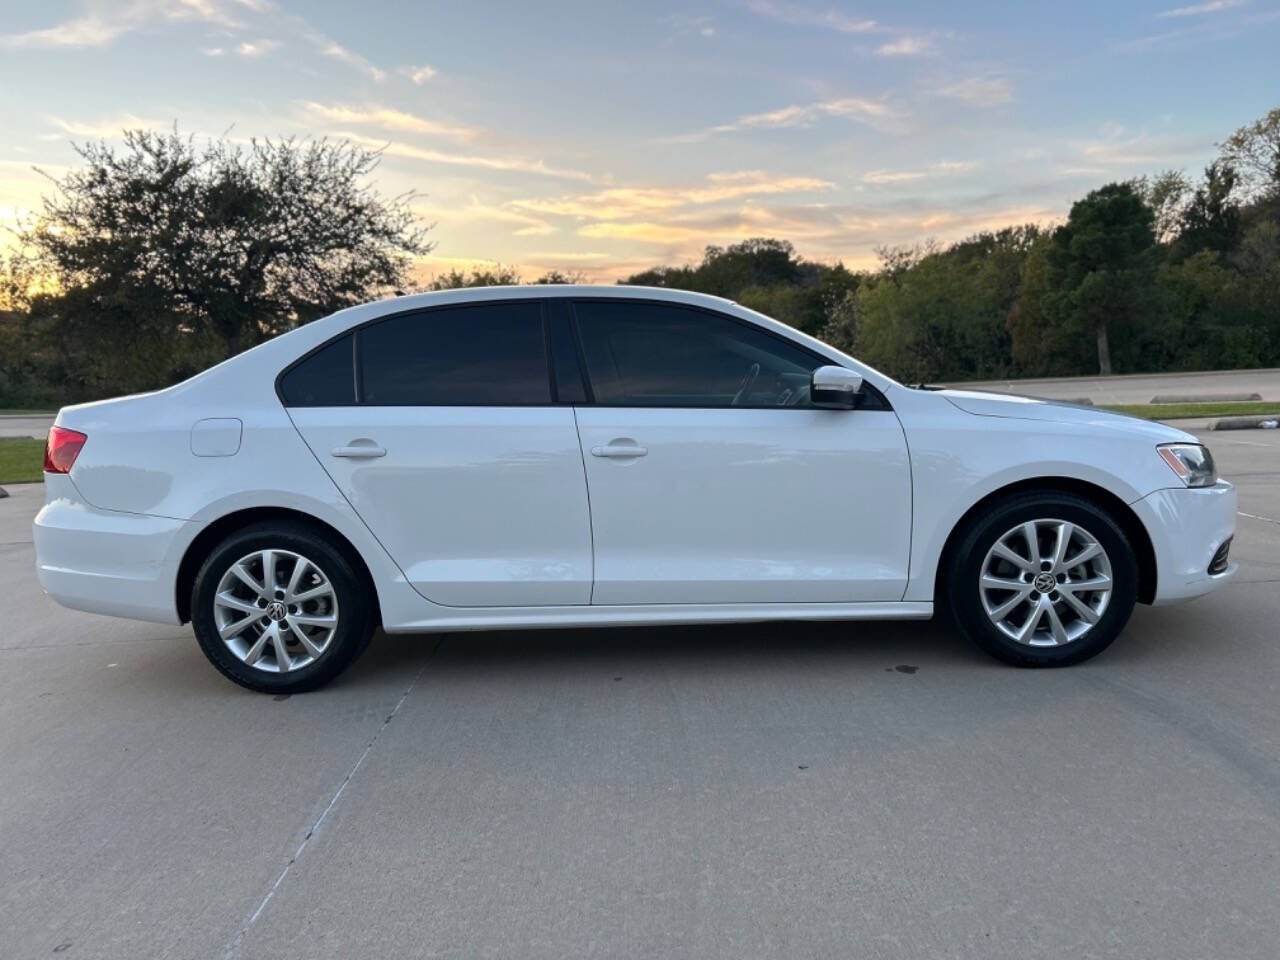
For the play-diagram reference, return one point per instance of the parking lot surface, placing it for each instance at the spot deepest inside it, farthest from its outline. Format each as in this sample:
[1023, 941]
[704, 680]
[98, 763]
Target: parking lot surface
[785, 790]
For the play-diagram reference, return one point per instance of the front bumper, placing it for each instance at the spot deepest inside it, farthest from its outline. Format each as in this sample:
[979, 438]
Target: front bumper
[1187, 527]
[105, 561]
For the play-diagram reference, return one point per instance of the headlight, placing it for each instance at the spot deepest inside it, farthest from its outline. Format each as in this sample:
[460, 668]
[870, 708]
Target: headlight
[1190, 461]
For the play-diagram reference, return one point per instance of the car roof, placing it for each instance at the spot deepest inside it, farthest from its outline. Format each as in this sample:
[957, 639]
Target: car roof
[539, 291]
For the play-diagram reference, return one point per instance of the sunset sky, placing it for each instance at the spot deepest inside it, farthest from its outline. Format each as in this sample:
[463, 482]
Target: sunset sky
[607, 137]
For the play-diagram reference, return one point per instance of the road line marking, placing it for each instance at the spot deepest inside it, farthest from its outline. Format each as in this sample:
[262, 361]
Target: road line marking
[1247, 443]
[1254, 516]
[234, 946]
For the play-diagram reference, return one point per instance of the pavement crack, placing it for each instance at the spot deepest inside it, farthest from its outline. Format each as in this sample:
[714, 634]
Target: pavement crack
[234, 947]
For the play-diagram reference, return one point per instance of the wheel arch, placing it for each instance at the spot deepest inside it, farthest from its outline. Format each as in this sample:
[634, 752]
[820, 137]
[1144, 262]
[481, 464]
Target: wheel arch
[217, 530]
[1121, 512]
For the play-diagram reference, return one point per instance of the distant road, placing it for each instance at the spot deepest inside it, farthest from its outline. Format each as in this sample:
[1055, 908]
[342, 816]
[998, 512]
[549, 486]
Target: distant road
[1140, 387]
[24, 426]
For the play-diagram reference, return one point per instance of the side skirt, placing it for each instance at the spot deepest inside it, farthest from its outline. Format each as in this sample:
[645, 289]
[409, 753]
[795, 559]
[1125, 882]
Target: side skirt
[528, 618]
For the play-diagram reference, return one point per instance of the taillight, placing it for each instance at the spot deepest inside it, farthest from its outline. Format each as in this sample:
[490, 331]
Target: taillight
[61, 449]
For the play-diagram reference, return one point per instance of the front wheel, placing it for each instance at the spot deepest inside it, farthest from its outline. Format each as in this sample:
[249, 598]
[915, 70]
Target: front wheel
[278, 608]
[1043, 580]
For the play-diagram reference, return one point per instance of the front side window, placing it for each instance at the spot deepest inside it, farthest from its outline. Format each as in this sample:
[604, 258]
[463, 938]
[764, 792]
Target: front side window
[662, 355]
[491, 354]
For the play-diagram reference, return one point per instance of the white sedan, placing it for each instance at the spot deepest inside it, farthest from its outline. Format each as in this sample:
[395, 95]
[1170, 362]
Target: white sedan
[605, 456]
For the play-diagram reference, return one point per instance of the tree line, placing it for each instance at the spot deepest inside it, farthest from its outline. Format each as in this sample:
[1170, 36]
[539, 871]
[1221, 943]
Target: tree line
[159, 257]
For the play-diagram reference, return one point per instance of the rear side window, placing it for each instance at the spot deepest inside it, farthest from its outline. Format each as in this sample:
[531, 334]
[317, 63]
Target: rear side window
[324, 379]
[477, 355]
[659, 355]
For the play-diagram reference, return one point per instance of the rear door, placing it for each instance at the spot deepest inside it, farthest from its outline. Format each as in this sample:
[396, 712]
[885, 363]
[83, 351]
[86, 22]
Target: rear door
[711, 478]
[442, 429]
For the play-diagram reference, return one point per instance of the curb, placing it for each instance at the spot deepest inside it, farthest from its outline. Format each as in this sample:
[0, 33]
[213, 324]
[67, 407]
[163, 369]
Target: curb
[1207, 398]
[1262, 422]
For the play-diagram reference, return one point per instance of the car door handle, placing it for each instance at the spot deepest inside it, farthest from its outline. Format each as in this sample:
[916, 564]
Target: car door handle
[358, 450]
[621, 449]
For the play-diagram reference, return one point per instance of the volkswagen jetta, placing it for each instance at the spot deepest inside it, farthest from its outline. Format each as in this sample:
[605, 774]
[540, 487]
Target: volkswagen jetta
[604, 456]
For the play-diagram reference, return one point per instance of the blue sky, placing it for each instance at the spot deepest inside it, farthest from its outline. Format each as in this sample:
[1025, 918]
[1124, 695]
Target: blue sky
[607, 137]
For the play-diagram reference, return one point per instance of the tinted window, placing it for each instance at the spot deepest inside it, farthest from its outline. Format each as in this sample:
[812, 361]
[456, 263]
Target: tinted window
[564, 355]
[484, 354]
[656, 355]
[324, 379]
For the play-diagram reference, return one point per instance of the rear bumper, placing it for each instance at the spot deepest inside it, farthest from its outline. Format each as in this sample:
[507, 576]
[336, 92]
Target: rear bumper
[105, 561]
[1187, 527]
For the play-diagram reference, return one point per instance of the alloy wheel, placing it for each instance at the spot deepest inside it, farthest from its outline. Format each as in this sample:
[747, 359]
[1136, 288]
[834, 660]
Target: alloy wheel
[1045, 583]
[276, 610]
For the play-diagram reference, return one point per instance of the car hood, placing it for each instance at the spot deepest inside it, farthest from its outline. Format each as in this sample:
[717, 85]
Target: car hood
[1014, 407]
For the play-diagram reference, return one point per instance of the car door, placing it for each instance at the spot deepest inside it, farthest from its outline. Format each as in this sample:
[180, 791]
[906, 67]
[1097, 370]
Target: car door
[443, 433]
[712, 480]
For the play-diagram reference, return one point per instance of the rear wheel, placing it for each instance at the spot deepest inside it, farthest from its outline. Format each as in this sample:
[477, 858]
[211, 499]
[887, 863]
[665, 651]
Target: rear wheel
[1043, 580]
[278, 608]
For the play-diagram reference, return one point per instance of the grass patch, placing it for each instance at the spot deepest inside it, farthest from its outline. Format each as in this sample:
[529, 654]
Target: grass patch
[18, 412]
[1182, 411]
[21, 460]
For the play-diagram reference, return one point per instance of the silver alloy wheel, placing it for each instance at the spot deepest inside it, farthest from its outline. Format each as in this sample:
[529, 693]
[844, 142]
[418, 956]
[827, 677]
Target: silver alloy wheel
[276, 610]
[1045, 582]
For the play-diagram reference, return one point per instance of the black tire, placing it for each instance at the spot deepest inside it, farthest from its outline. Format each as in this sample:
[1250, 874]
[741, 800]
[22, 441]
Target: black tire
[964, 598]
[356, 619]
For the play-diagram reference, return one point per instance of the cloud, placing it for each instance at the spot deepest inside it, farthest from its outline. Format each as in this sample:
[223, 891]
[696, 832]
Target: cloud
[906, 46]
[892, 176]
[389, 118]
[619, 203]
[1141, 151]
[256, 48]
[802, 115]
[100, 29]
[1195, 10]
[100, 130]
[799, 15]
[944, 168]
[981, 91]
[660, 233]
[506, 164]
[688, 24]
[94, 29]
[336, 51]
[478, 211]
[419, 75]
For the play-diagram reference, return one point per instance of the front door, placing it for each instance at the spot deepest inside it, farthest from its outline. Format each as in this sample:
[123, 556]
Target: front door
[712, 480]
[456, 457]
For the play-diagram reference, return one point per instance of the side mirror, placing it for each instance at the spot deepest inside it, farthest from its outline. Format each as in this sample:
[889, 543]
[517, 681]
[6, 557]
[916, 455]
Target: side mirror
[834, 388]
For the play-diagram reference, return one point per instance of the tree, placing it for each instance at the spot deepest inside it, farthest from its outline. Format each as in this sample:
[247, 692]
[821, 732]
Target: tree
[1165, 194]
[1100, 264]
[938, 315]
[1254, 150]
[1211, 220]
[727, 271]
[561, 277]
[233, 242]
[495, 276]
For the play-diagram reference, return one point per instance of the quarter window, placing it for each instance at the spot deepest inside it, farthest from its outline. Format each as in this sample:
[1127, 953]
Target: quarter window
[483, 355]
[324, 379]
[657, 355]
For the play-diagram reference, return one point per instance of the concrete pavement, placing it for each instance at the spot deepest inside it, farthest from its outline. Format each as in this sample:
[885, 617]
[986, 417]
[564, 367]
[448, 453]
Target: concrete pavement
[878, 791]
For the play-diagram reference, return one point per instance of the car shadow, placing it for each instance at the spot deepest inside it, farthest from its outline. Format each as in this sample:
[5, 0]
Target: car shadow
[848, 646]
